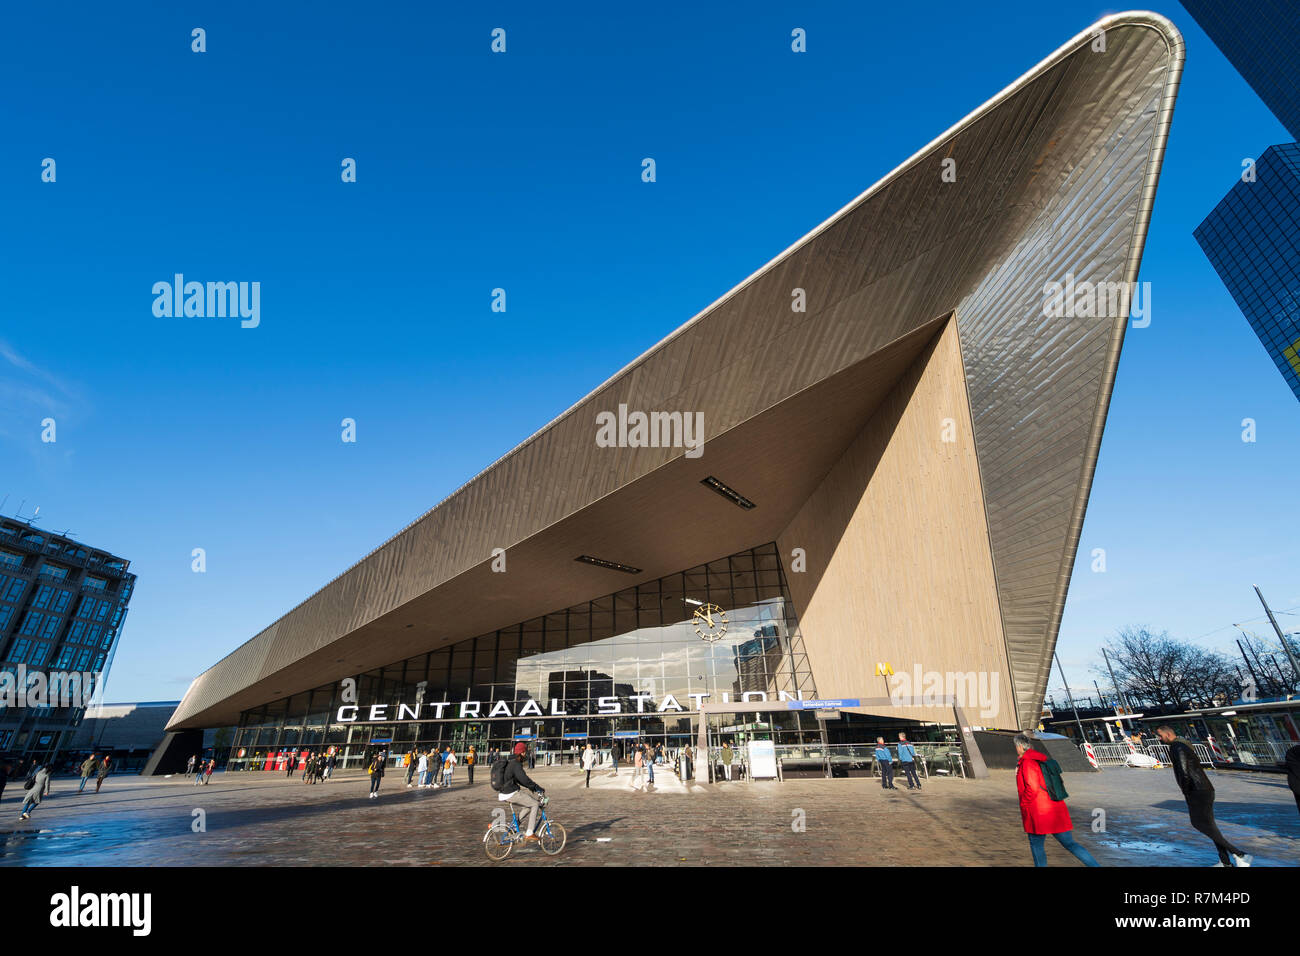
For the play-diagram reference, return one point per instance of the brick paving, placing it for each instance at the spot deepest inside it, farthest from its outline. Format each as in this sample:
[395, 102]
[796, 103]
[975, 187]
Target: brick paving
[262, 818]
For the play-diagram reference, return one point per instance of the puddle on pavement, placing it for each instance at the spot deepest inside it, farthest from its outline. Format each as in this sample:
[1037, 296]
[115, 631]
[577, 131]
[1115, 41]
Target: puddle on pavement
[1138, 846]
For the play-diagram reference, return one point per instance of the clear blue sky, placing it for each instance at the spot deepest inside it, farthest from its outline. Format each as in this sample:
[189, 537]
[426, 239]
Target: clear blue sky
[522, 171]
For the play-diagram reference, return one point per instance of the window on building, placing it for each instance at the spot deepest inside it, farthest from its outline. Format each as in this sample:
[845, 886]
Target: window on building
[78, 628]
[64, 658]
[16, 588]
[99, 663]
[51, 629]
[32, 623]
[39, 653]
[103, 610]
[82, 660]
[6, 612]
[43, 595]
[62, 600]
[19, 650]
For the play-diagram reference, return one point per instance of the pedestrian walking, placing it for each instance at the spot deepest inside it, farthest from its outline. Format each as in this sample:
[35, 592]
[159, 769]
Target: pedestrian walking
[448, 767]
[330, 762]
[615, 751]
[532, 758]
[288, 765]
[306, 764]
[189, 765]
[588, 762]
[103, 772]
[207, 770]
[36, 786]
[1199, 794]
[376, 771]
[1042, 803]
[638, 767]
[422, 768]
[907, 762]
[411, 762]
[470, 759]
[650, 758]
[88, 767]
[1292, 760]
[728, 755]
[886, 764]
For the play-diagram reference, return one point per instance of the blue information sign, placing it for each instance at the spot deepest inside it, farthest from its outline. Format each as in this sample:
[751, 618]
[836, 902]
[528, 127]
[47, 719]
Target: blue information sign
[627, 733]
[575, 736]
[525, 736]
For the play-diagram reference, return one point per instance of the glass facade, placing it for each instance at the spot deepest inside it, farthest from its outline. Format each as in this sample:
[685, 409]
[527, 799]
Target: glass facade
[633, 664]
[1261, 39]
[62, 608]
[1252, 238]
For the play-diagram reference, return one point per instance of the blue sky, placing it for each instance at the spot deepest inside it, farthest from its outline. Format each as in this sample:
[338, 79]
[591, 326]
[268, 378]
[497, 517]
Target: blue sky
[523, 171]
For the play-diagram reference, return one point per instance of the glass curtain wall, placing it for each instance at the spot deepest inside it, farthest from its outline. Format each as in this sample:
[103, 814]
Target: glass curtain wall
[640, 652]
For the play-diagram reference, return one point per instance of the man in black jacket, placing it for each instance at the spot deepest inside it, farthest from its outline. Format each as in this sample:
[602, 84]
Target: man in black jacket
[1199, 794]
[1293, 772]
[519, 790]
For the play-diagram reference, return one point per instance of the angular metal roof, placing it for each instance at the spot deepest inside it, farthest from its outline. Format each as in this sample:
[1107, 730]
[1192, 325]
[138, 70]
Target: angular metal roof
[1056, 175]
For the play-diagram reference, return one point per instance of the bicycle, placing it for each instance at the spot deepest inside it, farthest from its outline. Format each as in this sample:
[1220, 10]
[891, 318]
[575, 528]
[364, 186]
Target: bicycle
[500, 839]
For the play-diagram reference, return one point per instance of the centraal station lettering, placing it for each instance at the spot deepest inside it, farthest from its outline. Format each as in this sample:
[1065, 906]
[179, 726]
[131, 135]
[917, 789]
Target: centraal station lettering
[473, 709]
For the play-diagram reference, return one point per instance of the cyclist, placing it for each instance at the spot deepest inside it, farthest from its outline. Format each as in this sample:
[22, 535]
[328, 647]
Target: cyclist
[517, 789]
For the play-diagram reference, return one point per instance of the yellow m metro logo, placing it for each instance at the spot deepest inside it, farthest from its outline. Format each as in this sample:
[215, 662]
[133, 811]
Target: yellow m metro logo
[884, 670]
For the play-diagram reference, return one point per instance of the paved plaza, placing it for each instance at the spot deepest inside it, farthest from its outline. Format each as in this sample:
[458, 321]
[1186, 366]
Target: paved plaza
[264, 818]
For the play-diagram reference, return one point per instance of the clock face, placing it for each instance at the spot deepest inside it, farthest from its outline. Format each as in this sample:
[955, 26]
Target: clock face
[710, 622]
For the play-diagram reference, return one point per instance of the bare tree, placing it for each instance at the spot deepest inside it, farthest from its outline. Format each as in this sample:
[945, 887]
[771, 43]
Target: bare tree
[1155, 669]
[1268, 666]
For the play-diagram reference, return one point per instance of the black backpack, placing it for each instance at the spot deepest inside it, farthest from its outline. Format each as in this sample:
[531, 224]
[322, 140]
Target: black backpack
[498, 780]
[30, 781]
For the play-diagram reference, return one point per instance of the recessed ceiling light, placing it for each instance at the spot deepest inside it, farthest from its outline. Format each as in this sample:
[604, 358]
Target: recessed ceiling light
[735, 497]
[612, 565]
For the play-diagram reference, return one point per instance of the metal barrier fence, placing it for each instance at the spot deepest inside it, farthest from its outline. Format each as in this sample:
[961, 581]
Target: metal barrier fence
[1116, 755]
[1254, 753]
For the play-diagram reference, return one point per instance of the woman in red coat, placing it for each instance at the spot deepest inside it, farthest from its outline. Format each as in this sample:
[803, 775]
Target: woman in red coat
[1041, 814]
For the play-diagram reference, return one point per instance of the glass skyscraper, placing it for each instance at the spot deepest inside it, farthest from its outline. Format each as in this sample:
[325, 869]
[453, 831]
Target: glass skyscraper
[1261, 39]
[62, 607]
[1252, 239]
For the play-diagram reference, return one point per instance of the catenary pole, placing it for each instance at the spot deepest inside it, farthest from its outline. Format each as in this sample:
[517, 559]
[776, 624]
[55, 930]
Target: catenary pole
[1118, 692]
[1295, 668]
[1070, 696]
